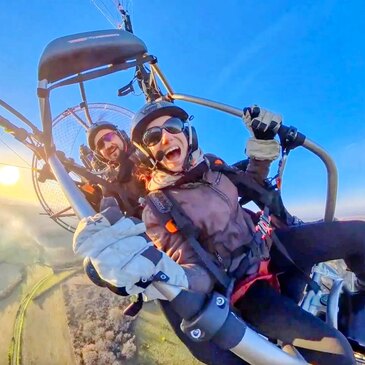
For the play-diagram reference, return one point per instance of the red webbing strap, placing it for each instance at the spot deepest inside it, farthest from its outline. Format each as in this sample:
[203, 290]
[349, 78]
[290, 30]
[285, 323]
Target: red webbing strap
[242, 286]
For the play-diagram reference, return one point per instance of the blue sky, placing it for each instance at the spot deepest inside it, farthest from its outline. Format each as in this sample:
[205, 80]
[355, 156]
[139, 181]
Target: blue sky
[304, 60]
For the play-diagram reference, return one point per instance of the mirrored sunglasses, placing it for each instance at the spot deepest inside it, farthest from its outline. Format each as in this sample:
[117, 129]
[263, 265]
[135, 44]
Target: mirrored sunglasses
[105, 138]
[153, 135]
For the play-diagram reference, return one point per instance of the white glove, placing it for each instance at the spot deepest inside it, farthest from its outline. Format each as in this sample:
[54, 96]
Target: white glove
[263, 125]
[123, 256]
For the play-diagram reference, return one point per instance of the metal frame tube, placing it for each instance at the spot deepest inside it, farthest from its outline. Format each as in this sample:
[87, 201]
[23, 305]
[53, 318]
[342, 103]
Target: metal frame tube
[332, 176]
[257, 350]
[156, 69]
[20, 116]
[78, 119]
[254, 348]
[77, 200]
[332, 304]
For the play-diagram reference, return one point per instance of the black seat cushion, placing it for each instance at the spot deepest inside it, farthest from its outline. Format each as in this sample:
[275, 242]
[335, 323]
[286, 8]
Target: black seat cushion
[76, 53]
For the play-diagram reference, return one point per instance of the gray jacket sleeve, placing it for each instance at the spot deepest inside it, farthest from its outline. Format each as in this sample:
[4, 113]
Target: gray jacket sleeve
[258, 169]
[177, 247]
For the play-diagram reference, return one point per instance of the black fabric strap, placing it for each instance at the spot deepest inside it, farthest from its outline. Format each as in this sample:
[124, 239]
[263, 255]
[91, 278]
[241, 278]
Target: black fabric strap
[194, 175]
[152, 254]
[173, 211]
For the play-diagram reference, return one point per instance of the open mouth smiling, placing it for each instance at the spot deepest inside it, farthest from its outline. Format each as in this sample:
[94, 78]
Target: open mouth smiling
[173, 153]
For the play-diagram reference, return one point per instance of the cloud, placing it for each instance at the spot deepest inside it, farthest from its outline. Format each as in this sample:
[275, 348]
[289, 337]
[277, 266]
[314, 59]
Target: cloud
[347, 206]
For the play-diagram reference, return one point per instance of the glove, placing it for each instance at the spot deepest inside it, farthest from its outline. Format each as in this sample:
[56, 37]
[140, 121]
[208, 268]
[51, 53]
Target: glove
[264, 125]
[261, 122]
[123, 255]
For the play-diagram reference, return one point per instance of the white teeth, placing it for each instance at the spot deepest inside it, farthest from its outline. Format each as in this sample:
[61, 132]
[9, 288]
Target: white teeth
[171, 150]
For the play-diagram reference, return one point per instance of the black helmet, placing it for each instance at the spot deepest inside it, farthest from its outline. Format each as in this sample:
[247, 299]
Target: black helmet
[152, 111]
[95, 128]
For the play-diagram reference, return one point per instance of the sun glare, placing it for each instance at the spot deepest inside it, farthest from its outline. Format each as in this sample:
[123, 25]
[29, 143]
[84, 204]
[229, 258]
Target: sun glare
[9, 175]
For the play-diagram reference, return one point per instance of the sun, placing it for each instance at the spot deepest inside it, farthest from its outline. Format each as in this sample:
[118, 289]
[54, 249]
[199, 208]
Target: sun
[9, 175]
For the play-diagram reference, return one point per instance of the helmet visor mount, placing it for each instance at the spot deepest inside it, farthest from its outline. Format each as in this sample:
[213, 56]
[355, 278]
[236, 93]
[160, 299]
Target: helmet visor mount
[153, 135]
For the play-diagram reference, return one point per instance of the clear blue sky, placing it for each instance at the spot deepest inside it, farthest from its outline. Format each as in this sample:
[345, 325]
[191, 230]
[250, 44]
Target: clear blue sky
[305, 60]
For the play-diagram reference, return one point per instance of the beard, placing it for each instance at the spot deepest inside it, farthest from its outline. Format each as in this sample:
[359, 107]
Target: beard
[125, 167]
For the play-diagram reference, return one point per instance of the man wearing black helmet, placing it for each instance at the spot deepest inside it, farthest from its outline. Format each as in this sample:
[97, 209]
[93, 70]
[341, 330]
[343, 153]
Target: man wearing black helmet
[108, 142]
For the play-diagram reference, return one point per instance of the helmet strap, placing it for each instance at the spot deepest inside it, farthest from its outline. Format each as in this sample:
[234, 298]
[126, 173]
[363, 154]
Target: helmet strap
[188, 159]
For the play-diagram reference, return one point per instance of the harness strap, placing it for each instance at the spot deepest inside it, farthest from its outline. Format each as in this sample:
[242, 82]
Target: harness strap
[167, 209]
[242, 286]
[257, 251]
[246, 184]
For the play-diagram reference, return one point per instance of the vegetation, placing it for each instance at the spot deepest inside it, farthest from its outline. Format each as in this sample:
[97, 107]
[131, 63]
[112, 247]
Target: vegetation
[54, 280]
[157, 343]
[102, 334]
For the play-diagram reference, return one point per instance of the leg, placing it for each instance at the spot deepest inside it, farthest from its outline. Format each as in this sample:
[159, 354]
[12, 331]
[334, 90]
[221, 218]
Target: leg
[278, 317]
[310, 244]
[292, 283]
[206, 352]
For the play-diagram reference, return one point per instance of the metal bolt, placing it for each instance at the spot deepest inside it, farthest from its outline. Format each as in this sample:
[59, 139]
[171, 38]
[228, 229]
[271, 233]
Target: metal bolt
[220, 301]
[196, 333]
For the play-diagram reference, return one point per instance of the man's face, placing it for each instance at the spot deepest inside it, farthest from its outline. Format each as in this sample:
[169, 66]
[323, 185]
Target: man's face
[174, 146]
[109, 144]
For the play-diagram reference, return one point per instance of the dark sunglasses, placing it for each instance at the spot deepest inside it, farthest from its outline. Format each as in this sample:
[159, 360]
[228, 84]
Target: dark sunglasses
[105, 138]
[153, 135]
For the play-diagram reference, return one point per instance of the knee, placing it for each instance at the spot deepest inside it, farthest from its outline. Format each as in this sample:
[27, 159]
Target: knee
[356, 228]
[340, 348]
[331, 348]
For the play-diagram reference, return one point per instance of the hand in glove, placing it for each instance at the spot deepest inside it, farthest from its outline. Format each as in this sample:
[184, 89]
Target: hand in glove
[123, 255]
[264, 125]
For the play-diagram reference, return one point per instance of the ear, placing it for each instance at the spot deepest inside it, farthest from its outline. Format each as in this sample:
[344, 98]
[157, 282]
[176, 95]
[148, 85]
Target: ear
[124, 136]
[140, 157]
[191, 135]
[194, 139]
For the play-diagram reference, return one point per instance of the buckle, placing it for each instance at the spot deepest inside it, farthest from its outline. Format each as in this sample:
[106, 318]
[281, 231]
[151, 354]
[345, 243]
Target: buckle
[264, 225]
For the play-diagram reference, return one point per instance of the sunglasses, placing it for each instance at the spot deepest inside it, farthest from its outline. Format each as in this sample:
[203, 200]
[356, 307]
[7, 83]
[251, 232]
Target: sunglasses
[108, 137]
[153, 135]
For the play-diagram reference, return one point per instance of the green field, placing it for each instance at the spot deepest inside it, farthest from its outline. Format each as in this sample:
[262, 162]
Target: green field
[157, 344]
